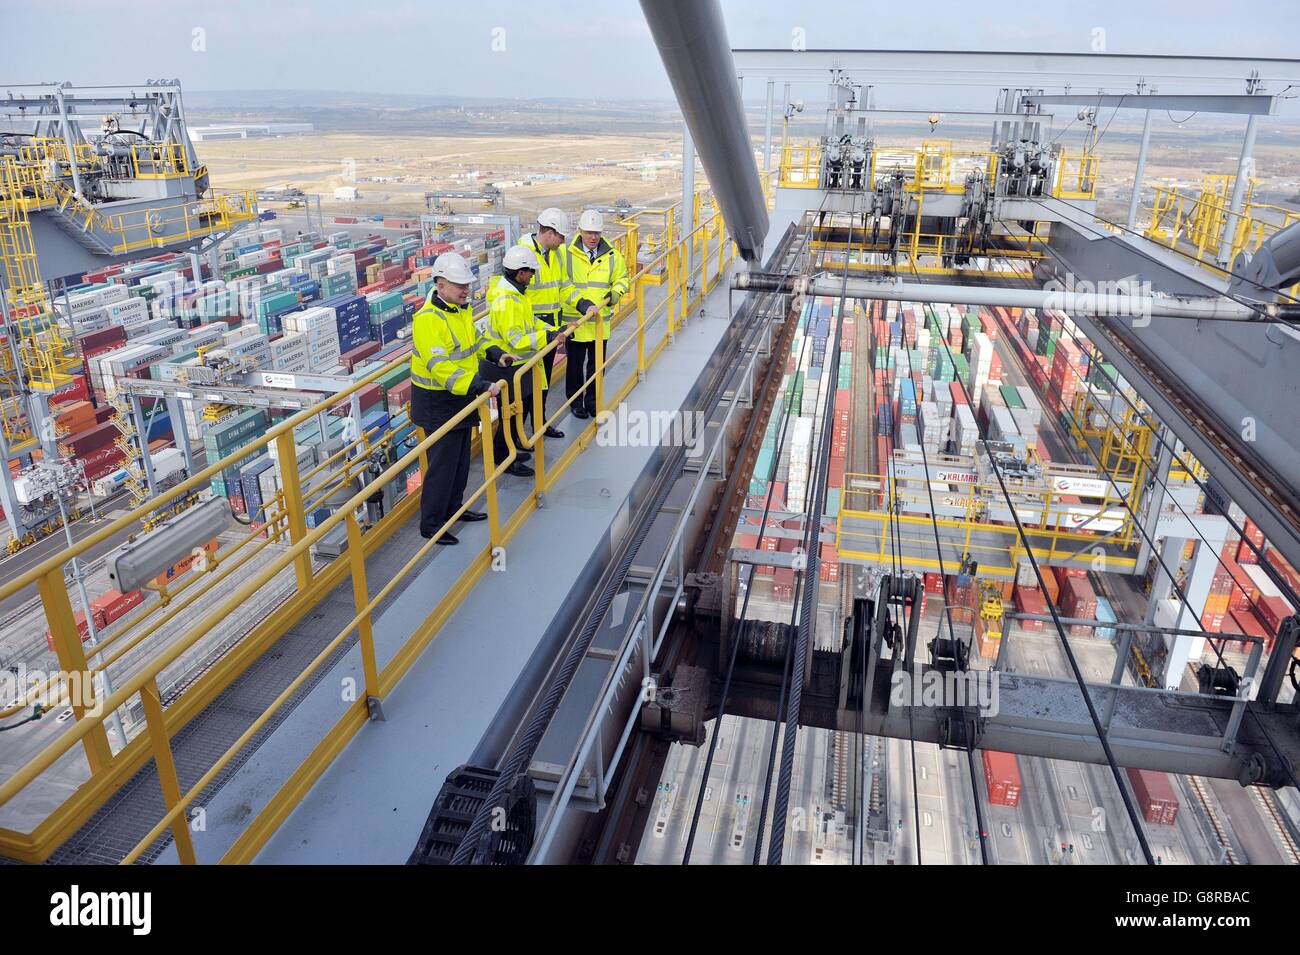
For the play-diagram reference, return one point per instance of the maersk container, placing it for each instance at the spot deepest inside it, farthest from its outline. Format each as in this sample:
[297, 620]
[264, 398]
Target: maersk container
[1155, 794]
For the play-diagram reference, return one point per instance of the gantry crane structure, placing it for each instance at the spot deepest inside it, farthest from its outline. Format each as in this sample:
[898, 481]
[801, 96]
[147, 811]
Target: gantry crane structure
[89, 176]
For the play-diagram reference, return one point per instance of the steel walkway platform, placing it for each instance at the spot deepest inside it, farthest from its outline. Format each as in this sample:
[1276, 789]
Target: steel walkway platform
[368, 806]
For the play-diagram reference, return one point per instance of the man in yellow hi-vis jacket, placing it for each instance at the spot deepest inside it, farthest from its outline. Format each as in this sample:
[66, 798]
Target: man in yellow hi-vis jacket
[445, 355]
[599, 278]
[513, 327]
[550, 287]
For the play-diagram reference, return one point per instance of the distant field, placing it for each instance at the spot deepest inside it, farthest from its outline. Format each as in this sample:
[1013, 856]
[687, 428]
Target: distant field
[645, 167]
[599, 169]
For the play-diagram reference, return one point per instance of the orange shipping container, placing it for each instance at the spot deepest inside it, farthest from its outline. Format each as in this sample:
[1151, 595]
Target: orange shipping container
[1053, 588]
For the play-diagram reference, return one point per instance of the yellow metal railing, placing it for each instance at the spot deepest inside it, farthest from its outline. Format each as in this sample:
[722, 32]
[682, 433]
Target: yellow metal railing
[1076, 176]
[800, 166]
[874, 498]
[228, 580]
[934, 166]
[159, 161]
[1195, 223]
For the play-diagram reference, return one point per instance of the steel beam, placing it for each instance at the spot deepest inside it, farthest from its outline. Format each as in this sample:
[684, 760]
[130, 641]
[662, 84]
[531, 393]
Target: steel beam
[1101, 302]
[1245, 105]
[1245, 166]
[688, 198]
[1117, 71]
[1135, 195]
[692, 42]
[1045, 716]
[767, 128]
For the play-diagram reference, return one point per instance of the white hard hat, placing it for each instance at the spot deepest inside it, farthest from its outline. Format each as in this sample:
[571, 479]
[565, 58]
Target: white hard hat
[554, 219]
[591, 221]
[520, 257]
[453, 267]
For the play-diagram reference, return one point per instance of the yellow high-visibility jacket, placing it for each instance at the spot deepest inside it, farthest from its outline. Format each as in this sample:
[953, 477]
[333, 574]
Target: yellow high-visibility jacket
[601, 281]
[447, 347]
[511, 324]
[551, 286]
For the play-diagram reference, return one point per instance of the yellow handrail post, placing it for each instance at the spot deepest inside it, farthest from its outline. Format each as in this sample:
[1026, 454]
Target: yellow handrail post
[361, 597]
[670, 266]
[640, 329]
[489, 460]
[72, 660]
[538, 398]
[600, 364]
[722, 246]
[288, 460]
[166, 766]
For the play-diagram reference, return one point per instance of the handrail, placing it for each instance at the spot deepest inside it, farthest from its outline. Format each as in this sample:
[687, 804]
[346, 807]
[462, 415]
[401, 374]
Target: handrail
[285, 513]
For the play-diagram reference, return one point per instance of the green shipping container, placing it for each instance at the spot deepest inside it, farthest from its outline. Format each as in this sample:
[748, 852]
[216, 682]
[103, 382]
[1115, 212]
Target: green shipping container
[1011, 395]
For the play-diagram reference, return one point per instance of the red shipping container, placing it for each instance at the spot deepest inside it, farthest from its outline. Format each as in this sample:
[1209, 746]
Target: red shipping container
[1065, 572]
[1272, 611]
[1244, 554]
[1002, 776]
[100, 456]
[105, 468]
[829, 564]
[835, 473]
[78, 390]
[82, 629]
[1030, 600]
[369, 396]
[398, 396]
[933, 583]
[350, 359]
[1250, 625]
[1078, 599]
[958, 393]
[115, 604]
[1282, 567]
[81, 444]
[1155, 794]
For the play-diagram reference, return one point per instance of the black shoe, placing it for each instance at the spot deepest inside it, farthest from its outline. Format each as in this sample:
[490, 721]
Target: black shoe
[519, 469]
[448, 539]
[580, 413]
[522, 455]
[551, 432]
[591, 413]
[470, 517]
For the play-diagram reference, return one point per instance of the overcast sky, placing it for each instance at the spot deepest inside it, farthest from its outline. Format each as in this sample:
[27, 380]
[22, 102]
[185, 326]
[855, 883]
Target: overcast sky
[559, 48]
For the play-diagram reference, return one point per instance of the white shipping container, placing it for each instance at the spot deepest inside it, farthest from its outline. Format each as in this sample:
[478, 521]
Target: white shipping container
[1002, 427]
[1031, 403]
[1024, 424]
[967, 429]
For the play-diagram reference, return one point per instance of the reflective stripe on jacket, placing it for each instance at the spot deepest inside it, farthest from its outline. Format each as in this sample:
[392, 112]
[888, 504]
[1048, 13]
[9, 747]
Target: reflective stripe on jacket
[446, 348]
[512, 327]
[550, 287]
[592, 280]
